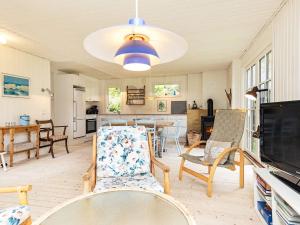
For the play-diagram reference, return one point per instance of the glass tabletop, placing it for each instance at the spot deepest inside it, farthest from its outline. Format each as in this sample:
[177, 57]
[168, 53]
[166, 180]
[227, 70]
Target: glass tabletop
[122, 207]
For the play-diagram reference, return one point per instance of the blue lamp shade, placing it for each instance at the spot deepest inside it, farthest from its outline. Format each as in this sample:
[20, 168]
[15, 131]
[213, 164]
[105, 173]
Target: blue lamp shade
[136, 47]
[137, 62]
[136, 55]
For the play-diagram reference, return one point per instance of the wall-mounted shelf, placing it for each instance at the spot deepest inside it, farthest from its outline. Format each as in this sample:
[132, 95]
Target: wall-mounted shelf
[135, 96]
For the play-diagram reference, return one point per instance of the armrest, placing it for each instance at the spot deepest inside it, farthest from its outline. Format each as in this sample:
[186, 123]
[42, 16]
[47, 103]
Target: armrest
[88, 174]
[63, 126]
[89, 179]
[222, 154]
[166, 171]
[195, 145]
[21, 190]
[161, 165]
[25, 188]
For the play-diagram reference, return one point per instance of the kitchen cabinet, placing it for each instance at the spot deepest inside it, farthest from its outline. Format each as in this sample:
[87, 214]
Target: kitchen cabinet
[92, 90]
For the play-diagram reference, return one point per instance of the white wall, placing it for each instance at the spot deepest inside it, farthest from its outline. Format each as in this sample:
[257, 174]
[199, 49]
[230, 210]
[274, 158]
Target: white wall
[63, 96]
[38, 106]
[214, 84]
[286, 52]
[197, 87]
[195, 90]
[235, 81]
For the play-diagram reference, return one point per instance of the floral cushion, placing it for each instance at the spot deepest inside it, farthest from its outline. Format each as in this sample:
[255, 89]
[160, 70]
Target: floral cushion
[146, 182]
[122, 151]
[14, 215]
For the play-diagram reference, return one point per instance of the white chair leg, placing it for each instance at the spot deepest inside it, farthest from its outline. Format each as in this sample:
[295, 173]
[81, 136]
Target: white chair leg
[178, 147]
[3, 161]
[163, 144]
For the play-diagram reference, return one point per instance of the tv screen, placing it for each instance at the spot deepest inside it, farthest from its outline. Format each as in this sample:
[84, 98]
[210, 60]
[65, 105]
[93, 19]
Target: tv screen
[280, 135]
[178, 107]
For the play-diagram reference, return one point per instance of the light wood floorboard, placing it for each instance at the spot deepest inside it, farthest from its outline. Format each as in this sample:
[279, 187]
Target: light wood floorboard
[57, 180]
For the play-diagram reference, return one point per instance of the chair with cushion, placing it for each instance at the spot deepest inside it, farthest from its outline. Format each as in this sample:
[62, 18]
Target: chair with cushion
[17, 215]
[220, 149]
[167, 134]
[150, 125]
[123, 158]
[47, 126]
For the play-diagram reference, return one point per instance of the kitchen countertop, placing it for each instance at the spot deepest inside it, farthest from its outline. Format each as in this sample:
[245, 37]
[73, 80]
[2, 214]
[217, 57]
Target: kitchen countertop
[108, 114]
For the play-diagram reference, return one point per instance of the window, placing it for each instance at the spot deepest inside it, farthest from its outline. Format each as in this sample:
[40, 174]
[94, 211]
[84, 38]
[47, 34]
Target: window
[166, 90]
[258, 74]
[114, 100]
[251, 143]
[265, 65]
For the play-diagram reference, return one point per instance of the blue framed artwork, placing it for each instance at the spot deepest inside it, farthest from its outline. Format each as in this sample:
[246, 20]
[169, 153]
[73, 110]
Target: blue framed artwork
[15, 86]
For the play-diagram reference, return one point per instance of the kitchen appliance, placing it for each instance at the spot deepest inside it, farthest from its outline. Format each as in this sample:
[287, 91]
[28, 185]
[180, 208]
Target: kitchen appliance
[91, 124]
[79, 107]
[92, 110]
[280, 140]
[207, 122]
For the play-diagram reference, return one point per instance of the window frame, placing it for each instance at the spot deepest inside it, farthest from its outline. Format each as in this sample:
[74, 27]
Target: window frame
[251, 126]
[165, 84]
[108, 99]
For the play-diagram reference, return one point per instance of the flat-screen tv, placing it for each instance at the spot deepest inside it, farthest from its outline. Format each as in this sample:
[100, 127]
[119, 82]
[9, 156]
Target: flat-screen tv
[280, 136]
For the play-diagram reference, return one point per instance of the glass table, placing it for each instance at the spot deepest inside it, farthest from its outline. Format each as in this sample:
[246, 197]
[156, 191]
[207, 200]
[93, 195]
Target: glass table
[119, 207]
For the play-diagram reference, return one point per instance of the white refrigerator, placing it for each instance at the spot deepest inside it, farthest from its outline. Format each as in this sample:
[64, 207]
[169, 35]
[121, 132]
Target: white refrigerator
[79, 109]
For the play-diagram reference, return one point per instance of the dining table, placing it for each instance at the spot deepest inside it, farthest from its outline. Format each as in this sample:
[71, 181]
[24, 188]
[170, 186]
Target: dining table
[119, 207]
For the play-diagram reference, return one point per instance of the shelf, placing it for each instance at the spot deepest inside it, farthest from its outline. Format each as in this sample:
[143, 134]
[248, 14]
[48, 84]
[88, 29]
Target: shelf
[282, 197]
[281, 189]
[135, 96]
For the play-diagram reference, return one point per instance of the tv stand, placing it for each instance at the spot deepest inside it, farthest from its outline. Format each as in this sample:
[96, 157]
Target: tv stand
[290, 180]
[278, 190]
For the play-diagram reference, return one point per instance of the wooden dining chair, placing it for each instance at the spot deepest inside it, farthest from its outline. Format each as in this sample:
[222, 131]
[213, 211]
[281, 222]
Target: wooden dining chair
[150, 125]
[51, 136]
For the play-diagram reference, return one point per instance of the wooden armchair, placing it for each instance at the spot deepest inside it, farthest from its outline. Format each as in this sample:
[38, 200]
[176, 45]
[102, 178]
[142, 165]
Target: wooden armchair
[228, 130]
[18, 215]
[131, 165]
[51, 136]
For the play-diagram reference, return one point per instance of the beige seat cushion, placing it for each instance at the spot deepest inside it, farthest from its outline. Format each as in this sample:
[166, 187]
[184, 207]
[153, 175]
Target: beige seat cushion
[58, 137]
[213, 149]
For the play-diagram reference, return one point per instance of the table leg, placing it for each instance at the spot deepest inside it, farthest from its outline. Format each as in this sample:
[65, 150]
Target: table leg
[3, 161]
[29, 140]
[37, 143]
[11, 147]
[2, 141]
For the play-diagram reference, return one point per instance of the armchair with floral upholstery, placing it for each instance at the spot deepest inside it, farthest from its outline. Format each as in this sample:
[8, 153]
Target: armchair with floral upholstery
[123, 158]
[17, 215]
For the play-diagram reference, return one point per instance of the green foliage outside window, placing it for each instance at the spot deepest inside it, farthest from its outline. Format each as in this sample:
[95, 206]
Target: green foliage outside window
[166, 90]
[114, 100]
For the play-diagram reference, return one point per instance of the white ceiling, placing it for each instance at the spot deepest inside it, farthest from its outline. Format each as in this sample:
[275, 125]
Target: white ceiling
[217, 31]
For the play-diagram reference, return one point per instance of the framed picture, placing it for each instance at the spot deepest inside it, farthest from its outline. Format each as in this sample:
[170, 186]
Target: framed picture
[161, 105]
[15, 86]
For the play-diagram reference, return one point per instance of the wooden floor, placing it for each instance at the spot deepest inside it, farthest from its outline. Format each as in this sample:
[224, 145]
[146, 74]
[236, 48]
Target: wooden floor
[57, 180]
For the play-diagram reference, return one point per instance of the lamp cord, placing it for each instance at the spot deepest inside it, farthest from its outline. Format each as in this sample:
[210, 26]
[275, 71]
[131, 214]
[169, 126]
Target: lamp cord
[136, 8]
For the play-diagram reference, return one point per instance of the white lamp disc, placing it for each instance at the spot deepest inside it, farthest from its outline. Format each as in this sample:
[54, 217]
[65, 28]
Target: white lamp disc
[103, 44]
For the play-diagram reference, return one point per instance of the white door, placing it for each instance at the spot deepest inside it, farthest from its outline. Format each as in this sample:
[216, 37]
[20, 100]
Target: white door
[79, 129]
[79, 103]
